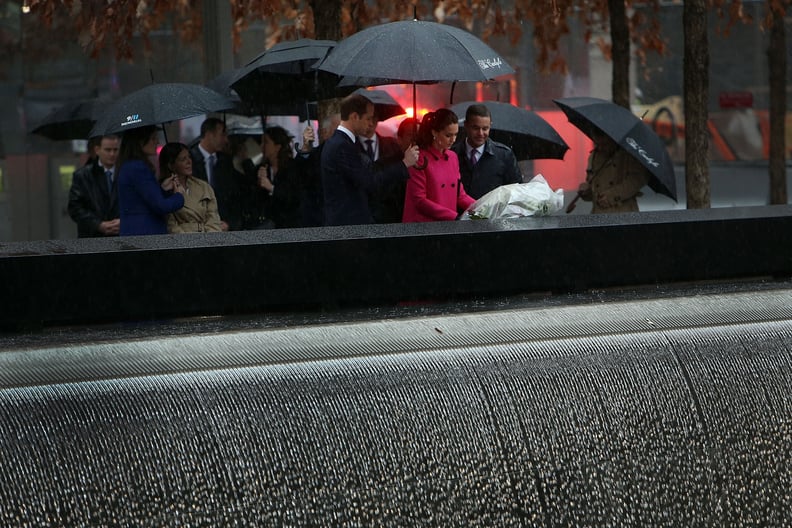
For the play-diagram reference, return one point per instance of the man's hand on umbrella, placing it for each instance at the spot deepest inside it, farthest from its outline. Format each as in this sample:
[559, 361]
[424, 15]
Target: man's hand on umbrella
[308, 139]
[264, 181]
[411, 156]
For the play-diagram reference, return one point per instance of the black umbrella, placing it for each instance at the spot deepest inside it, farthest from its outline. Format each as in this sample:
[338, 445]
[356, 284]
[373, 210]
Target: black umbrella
[347, 82]
[160, 103]
[629, 132]
[385, 106]
[222, 85]
[529, 136]
[285, 73]
[250, 107]
[73, 120]
[416, 52]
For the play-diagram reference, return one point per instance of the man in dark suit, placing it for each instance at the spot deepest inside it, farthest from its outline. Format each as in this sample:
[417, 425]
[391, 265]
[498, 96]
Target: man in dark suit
[494, 164]
[213, 164]
[310, 166]
[93, 197]
[348, 175]
[386, 201]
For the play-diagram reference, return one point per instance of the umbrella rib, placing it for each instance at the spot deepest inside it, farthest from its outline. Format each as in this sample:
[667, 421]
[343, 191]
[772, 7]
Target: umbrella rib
[462, 45]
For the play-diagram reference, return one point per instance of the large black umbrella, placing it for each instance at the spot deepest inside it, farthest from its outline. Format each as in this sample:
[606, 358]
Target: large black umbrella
[160, 103]
[285, 73]
[73, 120]
[417, 52]
[526, 132]
[385, 106]
[222, 85]
[251, 106]
[629, 132]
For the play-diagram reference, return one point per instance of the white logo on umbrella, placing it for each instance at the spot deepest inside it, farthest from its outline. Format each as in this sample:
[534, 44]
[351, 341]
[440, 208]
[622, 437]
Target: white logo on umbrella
[132, 119]
[641, 152]
[485, 64]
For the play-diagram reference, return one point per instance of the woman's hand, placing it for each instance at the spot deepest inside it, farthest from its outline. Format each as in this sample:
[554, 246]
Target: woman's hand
[605, 202]
[584, 190]
[178, 187]
[169, 183]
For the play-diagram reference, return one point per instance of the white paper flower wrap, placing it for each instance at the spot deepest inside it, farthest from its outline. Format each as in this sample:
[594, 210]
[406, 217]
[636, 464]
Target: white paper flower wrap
[534, 198]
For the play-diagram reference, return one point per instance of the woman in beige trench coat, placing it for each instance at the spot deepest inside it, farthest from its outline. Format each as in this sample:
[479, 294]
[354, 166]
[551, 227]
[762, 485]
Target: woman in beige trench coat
[613, 178]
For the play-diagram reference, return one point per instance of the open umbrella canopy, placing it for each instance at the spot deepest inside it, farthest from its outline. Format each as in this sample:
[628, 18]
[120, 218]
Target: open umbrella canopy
[251, 108]
[160, 103]
[385, 106]
[526, 132]
[629, 132]
[292, 57]
[222, 85]
[414, 51]
[285, 73]
[346, 82]
[73, 120]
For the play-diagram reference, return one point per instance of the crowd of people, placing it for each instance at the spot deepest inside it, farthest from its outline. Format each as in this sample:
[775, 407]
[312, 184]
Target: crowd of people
[353, 176]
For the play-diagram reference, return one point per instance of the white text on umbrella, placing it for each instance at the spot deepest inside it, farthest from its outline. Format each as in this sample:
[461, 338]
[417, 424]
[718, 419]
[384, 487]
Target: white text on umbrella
[495, 62]
[634, 144]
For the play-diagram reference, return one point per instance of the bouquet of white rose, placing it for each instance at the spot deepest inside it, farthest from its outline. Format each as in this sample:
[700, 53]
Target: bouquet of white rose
[534, 198]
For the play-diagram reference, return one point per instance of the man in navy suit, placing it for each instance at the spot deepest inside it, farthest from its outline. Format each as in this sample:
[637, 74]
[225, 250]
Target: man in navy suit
[348, 175]
[495, 163]
[211, 163]
[386, 202]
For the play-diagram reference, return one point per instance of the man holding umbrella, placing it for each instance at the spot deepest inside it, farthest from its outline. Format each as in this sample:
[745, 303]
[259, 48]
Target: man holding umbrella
[487, 164]
[387, 202]
[348, 175]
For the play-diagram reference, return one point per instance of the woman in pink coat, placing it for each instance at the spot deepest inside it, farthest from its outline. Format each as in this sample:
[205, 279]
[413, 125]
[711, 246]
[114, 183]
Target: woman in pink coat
[434, 190]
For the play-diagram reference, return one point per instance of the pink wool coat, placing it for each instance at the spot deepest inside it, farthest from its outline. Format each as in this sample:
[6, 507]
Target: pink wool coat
[435, 192]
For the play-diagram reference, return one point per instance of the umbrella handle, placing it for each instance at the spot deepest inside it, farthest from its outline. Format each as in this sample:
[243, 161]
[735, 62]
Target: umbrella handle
[573, 204]
[310, 142]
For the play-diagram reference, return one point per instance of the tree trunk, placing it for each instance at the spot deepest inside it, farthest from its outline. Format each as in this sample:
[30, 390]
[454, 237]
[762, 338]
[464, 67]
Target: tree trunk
[327, 21]
[696, 94]
[620, 53]
[777, 62]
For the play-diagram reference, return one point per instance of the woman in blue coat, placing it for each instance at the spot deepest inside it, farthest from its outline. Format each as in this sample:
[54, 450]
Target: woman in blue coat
[143, 203]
